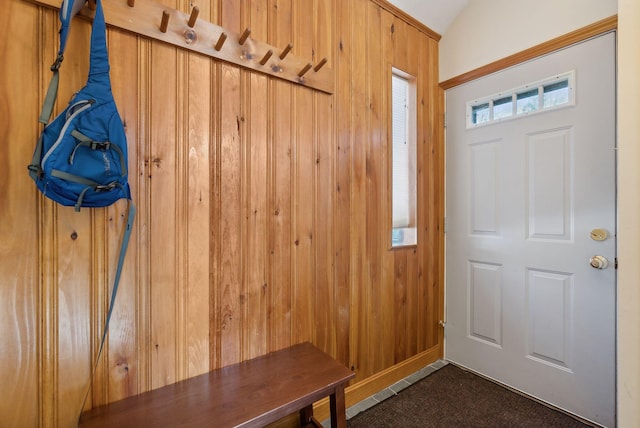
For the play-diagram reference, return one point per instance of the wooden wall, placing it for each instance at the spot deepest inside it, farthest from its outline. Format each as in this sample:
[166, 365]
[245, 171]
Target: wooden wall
[263, 209]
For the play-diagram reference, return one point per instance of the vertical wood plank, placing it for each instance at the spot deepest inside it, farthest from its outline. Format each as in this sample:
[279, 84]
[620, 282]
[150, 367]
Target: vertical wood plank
[20, 270]
[47, 350]
[413, 265]
[357, 230]
[429, 145]
[198, 189]
[373, 230]
[342, 179]
[324, 154]
[436, 202]
[122, 351]
[388, 259]
[215, 202]
[230, 15]
[232, 131]
[400, 304]
[401, 46]
[181, 208]
[99, 290]
[164, 142]
[323, 301]
[304, 179]
[280, 206]
[257, 287]
[424, 123]
[230, 279]
[143, 155]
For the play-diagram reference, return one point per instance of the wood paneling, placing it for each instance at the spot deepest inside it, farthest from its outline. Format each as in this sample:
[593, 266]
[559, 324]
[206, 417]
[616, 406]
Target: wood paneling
[21, 333]
[263, 210]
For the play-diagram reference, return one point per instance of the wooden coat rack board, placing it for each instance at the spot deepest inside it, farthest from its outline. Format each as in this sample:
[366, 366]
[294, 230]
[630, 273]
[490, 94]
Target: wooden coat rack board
[151, 19]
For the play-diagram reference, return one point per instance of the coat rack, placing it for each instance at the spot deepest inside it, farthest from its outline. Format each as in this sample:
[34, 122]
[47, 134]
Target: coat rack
[153, 20]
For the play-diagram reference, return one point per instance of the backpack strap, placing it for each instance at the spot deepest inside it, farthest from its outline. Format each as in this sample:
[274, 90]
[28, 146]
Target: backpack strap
[35, 167]
[52, 91]
[96, 145]
[68, 10]
[131, 214]
[90, 184]
[99, 58]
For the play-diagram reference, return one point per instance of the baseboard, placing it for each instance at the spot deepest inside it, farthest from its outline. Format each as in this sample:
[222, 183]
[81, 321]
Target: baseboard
[379, 381]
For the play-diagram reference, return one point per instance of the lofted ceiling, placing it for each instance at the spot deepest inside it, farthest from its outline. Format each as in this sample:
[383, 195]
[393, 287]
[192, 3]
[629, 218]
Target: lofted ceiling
[435, 14]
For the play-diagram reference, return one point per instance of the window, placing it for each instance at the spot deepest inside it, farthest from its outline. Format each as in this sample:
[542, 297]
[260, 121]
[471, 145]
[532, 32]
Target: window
[537, 97]
[555, 94]
[527, 101]
[480, 113]
[502, 108]
[404, 160]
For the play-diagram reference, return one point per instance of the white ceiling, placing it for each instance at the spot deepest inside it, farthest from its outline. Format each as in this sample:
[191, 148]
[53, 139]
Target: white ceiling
[435, 14]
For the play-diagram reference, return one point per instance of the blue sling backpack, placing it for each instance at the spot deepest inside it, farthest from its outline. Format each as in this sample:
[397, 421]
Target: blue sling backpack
[80, 159]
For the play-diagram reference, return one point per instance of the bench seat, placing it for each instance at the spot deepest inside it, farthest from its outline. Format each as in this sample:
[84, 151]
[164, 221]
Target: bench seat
[252, 393]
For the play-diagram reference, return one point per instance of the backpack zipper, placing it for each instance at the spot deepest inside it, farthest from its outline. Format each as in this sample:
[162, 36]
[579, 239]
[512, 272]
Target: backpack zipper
[89, 103]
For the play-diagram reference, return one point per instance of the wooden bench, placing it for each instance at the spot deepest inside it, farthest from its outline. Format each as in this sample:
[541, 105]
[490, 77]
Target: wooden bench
[253, 393]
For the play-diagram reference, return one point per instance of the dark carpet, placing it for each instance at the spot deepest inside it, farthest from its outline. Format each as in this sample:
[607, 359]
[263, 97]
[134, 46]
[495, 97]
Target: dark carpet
[452, 397]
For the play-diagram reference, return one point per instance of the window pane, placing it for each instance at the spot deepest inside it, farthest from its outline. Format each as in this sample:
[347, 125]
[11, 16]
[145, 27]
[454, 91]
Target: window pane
[555, 94]
[400, 194]
[503, 107]
[527, 101]
[480, 113]
[403, 162]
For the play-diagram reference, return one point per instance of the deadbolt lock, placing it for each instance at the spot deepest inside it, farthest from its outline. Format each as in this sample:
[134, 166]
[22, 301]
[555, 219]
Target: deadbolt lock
[599, 234]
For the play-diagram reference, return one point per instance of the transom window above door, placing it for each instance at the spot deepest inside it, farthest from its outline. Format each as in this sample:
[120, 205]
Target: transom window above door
[537, 97]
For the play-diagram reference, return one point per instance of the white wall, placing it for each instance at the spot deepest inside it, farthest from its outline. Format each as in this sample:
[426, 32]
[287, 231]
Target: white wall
[488, 30]
[628, 214]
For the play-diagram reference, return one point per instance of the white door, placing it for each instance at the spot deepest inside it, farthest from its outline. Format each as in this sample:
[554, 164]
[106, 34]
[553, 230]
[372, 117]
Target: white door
[523, 304]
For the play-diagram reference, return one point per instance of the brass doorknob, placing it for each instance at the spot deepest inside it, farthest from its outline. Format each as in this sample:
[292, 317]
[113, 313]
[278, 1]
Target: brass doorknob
[598, 262]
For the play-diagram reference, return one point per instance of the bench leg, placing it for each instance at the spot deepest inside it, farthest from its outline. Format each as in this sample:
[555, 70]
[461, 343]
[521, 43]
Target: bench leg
[306, 416]
[337, 405]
